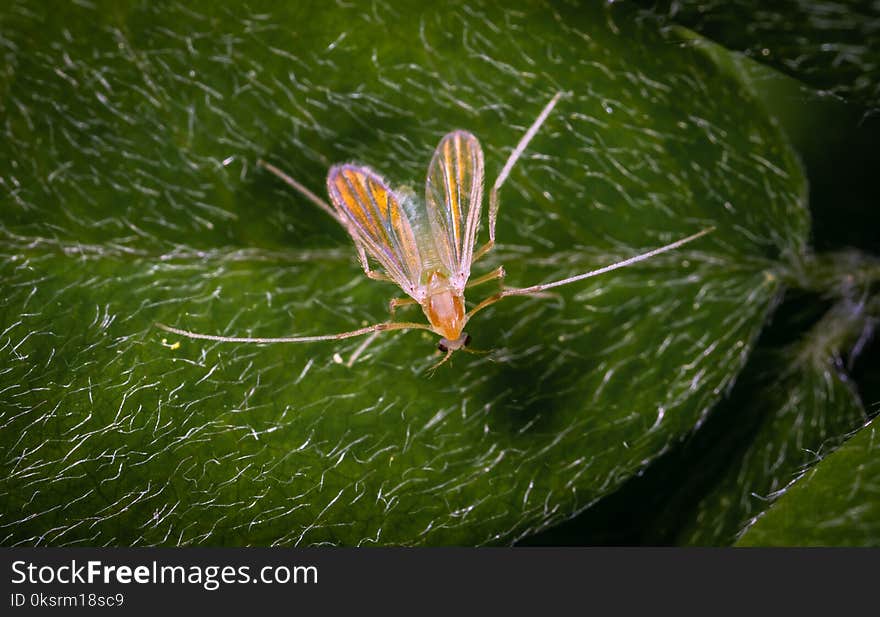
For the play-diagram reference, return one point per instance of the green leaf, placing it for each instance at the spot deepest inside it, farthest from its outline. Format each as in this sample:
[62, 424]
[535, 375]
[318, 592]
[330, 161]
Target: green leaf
[782, 407]
[833, 46]
[834, 504]
[794, 405]
[131, 135]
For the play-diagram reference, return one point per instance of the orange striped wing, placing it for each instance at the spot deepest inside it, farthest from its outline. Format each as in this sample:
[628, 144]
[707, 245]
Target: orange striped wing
[379, 220]
[454, 195]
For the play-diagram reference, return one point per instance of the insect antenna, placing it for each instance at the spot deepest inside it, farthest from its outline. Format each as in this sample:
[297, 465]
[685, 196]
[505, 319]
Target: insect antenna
[540, 288]
[379, 327]
[299, 188]
[620, 264]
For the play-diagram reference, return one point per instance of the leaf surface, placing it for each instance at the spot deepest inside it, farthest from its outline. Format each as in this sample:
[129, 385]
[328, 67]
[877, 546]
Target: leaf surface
[833, 46]
[834, 504]
[132, 196]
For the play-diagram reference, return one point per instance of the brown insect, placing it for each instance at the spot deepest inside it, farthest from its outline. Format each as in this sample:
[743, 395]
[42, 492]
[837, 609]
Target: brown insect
[426, 248]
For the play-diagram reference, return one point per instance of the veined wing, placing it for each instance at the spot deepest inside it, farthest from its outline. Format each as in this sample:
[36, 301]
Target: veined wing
[454, 195]
[378, 221]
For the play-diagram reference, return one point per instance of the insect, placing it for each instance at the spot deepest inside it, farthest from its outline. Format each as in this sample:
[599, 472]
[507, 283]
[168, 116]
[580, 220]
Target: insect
[426, 248]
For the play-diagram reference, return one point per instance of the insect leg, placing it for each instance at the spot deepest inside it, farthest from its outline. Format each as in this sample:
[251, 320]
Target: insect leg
[484, 249]
[534, 290]
[379, 327]
[392, 306]
[497, 273]
[396, 302]
[378, 276]
[362, 259]
[487, 302]
[508, 166]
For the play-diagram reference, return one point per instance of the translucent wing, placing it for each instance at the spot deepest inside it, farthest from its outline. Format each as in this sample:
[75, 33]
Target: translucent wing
[454, 194]
[378, 221]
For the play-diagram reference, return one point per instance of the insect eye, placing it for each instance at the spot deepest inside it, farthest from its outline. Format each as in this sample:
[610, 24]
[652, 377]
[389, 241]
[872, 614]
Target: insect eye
[467, 340]
[442, 347]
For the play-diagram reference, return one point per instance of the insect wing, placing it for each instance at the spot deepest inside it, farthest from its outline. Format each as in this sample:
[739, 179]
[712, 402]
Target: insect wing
[378, 221]
[454, 194]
